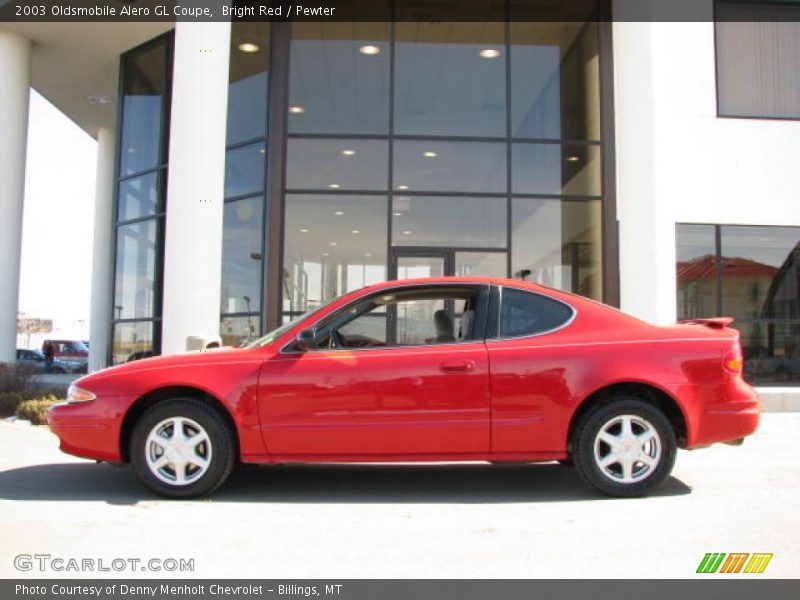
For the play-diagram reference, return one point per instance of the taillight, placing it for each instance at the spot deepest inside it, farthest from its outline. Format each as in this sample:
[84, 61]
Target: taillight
[734, 361]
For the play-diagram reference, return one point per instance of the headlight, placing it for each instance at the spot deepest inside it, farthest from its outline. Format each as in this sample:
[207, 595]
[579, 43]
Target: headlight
[76, 394]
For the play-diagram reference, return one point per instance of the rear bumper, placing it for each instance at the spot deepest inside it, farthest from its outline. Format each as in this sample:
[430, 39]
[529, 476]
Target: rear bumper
[89, 429]
[726, 413]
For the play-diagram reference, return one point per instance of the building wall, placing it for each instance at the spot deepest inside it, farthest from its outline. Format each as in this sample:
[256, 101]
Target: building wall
[677, 162]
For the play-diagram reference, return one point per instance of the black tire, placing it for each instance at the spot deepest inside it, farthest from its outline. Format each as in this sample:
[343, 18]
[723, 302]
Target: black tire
[609, 480]
[221, 448]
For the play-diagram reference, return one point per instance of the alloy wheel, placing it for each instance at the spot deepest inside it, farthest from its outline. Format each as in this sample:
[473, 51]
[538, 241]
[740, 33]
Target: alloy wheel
[627, 448]
[178, 451]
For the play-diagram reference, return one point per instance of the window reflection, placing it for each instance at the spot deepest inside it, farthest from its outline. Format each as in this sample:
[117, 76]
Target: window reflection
[771, 350]
[138, 197]
[439, 166]
[134, 295]
[132, 341]
[242, 256]
[759, 285]
[558, 243]
[697, 273]
[244, 170]
[450, 78]
[333, 244]
[143, 89]
[483, 264]
[247, 89]
[339, 78]
[759, 272]
[555, 80]
[556, 169]
[235, 331]
[446, 221]
[345, 164]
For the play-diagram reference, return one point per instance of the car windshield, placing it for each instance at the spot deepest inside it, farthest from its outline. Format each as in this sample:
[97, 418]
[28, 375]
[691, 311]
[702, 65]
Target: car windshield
[276, 333]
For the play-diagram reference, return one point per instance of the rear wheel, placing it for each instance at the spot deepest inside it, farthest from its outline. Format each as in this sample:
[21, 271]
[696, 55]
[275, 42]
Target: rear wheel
[625, 447]
[182, 448]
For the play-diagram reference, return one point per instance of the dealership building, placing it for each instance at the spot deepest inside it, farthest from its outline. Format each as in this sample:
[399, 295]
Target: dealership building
[249, 172]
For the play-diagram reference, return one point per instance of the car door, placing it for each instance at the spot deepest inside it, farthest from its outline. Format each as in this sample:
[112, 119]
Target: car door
[531, 371]
[395, 386]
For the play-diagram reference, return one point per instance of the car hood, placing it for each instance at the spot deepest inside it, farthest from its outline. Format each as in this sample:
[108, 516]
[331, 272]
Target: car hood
[211, 357]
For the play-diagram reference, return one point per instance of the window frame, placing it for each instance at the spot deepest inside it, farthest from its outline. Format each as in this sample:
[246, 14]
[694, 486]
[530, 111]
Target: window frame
[496, 307]
[482, 296]
[161, 171]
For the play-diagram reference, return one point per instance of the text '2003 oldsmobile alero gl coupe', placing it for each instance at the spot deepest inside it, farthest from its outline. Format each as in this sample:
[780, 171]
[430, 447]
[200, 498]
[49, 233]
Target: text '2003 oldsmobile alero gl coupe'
[448, 369]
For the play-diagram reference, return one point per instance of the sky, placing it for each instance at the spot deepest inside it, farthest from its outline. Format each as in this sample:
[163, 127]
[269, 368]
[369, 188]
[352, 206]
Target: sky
[58, 221]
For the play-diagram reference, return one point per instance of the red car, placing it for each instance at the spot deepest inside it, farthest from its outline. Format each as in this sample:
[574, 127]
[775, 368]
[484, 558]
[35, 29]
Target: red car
[446, 369]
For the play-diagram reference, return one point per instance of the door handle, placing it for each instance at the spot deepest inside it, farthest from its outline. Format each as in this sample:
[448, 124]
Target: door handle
[457, 366]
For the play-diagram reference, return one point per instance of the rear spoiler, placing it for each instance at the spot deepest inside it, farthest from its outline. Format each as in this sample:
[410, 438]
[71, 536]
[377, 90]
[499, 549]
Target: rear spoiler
[713, 323]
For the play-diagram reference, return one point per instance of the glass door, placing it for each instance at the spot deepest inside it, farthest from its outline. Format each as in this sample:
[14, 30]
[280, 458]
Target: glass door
[414, 264]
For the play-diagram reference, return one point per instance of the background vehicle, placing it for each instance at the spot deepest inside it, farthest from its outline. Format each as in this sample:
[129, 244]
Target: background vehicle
[446, 369]
[74, 351]
[35, 359]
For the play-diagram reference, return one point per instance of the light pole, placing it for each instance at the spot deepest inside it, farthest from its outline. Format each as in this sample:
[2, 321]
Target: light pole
[249, 317]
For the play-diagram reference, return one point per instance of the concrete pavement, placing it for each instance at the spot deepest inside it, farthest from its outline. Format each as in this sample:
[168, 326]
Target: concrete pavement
[409, 521]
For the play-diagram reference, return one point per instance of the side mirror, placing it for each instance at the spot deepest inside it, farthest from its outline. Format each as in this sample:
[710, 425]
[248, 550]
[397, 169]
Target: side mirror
[306, 340]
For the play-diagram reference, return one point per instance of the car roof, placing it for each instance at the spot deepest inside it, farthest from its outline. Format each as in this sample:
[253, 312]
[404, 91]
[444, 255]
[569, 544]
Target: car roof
[473, 280]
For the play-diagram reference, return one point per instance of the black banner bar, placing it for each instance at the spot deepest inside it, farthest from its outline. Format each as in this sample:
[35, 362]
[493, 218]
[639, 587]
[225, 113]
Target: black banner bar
[122, 11]
[714, 587]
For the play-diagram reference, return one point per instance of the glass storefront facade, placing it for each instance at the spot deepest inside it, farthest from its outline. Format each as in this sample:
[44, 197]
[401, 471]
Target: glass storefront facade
[751, 273]
[145, 74]
[409, 149]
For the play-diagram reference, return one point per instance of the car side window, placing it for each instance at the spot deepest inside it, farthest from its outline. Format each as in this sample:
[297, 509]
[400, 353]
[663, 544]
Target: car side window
[525, 313]
[410, 317]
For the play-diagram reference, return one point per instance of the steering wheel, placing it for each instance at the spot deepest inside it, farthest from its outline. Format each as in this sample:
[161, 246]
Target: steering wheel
[336, 339]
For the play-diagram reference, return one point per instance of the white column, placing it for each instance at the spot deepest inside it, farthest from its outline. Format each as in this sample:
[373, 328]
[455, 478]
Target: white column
[102, 276]
[193, 244]
[15, 81]
[644, 206]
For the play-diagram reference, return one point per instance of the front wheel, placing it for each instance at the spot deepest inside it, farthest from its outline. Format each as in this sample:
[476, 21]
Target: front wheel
[625, 447]
[182, 448]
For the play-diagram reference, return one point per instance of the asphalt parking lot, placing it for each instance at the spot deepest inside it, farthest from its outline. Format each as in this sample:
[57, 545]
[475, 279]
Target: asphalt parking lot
[441, 521]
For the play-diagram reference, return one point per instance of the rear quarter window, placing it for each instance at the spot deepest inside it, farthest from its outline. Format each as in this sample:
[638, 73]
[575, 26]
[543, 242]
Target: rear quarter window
[525, 313]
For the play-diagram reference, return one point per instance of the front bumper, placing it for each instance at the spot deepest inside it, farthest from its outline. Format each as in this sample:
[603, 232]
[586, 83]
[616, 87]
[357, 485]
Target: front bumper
[90, 429]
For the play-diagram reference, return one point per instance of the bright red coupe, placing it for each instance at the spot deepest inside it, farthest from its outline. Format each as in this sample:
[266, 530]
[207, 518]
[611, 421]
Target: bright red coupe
[448, 369]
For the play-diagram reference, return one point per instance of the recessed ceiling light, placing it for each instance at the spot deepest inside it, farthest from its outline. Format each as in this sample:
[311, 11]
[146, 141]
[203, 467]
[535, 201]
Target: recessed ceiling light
[572, 159]
[402, 187]
[367, 254]
[98, 100]
[325, 254]
[304, 230]
[334, 186]
[297, 110]
[355, 231]
[248, 47]
[334, 244]
[397, 213]
[339, 213]
[407, 232]
[369, 50]
[429, 154]
[349, 152]
[489, 53]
